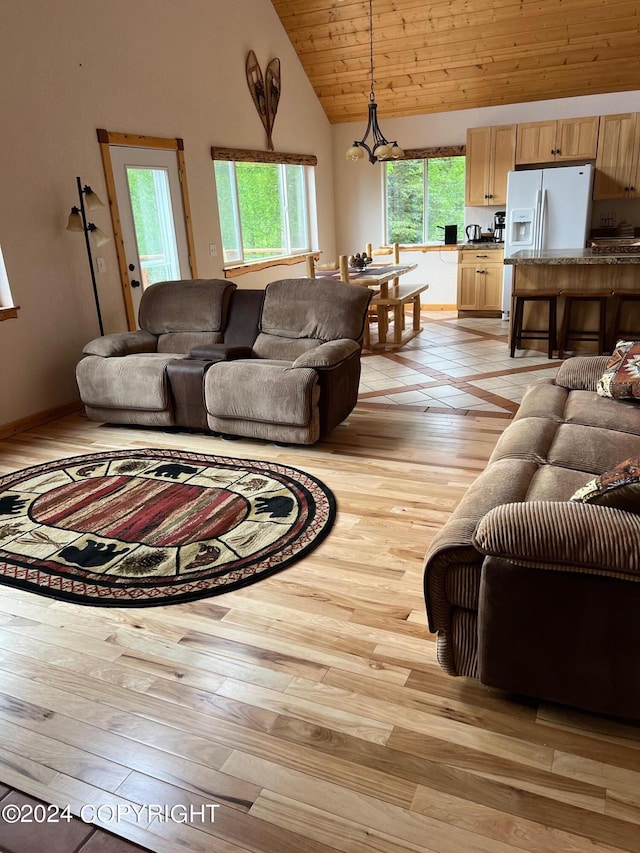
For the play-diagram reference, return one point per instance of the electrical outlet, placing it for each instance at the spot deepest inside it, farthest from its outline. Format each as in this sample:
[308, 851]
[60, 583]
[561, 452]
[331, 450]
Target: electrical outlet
[102, 267]
[213, 250]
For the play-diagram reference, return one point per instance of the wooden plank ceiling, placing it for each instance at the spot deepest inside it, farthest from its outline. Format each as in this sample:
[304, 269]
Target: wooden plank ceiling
[460, 54]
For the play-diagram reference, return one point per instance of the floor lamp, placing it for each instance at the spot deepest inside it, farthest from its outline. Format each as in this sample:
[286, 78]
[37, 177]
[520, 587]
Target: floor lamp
[78, 222]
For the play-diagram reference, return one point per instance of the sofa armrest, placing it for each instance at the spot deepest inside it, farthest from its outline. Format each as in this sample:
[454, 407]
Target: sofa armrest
[581, 373]
[220, 352]
[328, 354]
[121, 343]
[563, 536]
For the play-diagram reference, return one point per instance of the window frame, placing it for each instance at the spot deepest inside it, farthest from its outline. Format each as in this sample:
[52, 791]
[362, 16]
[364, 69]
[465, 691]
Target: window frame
[8, 310]
[440, 152]
[308, 162]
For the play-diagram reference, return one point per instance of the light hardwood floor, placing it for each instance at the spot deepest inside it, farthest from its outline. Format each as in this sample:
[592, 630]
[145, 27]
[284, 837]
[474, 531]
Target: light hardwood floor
[310, 705]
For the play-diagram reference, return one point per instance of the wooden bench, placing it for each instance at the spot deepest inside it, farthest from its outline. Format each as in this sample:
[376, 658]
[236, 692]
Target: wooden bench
[395, 299]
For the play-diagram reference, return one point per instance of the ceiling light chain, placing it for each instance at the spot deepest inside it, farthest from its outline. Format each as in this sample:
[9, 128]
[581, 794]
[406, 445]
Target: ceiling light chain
[381, 148]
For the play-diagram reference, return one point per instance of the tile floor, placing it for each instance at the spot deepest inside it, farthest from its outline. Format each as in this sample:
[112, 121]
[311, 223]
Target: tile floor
[454, 366]
[32, 835]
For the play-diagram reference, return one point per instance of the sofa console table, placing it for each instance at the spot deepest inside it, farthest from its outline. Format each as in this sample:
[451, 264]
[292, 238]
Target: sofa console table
[575, 271]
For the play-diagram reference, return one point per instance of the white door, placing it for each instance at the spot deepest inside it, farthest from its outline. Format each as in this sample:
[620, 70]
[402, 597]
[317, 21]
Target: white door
[151, 216]
[567, 206]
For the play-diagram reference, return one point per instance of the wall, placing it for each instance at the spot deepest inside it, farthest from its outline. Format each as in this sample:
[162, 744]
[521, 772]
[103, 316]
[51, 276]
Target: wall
[153, 67]
[358, 185]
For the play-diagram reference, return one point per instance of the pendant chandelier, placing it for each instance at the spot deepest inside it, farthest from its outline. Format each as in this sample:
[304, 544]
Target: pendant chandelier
[381, 149]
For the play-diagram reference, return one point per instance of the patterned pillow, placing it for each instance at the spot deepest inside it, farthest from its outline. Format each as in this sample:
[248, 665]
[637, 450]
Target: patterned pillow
[621, 378]
[618, 488]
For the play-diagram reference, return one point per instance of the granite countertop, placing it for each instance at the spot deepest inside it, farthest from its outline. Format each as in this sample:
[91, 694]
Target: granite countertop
[569, 257]
[483, 246]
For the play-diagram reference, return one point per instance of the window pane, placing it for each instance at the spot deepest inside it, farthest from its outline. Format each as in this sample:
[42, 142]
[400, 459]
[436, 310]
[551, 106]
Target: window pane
[5, 294]
[154, 225]
[297, 208]
[405, 201]
[261, 202]
[445, 195]
[225, 190]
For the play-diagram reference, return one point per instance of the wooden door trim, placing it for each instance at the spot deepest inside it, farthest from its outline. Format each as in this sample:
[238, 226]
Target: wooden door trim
[108, 138]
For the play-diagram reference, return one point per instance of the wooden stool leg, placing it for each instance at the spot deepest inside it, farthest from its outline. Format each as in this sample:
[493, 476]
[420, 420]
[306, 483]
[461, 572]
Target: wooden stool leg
[517, 326]
[553, 321]
[564, 329]
[602, 331]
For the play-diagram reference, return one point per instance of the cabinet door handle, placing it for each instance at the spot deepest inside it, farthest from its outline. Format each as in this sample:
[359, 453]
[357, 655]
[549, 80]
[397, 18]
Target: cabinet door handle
[558, 151]
[633, 189]
[482, 256]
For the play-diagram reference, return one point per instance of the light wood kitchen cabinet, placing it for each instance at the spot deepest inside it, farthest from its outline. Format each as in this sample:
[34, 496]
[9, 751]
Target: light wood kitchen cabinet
[480, 282]
[491, 153]
[617, 163]
[556, 141]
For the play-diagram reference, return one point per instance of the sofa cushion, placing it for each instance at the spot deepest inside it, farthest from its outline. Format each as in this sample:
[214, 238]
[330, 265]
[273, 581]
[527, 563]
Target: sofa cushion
[619, 488]
[194, 305]
[621, 378]
[135, 382]
[259, 391]
[310, 308]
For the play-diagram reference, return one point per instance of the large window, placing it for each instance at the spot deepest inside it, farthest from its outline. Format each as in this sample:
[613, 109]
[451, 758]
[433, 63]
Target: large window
[422, 195]
[264, 210]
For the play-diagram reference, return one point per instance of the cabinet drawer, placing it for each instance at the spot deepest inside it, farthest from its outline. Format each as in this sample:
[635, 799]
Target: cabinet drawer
[486, 256]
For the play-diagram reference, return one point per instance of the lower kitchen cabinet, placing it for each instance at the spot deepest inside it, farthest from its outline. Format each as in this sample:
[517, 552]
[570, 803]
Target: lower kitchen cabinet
[480, 283]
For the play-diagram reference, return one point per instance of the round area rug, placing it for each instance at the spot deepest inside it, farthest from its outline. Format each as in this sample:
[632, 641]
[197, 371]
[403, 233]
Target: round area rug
[136, 528]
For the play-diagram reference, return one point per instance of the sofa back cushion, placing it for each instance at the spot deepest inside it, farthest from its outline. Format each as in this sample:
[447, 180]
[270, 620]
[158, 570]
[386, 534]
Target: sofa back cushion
[311, 308]
[192, 305]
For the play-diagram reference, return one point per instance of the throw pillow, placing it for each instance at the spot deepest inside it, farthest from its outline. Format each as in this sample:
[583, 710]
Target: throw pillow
[621, 378]
[618, 488]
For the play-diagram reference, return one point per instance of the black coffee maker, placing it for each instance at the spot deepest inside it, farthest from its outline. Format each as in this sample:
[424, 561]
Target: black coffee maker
[499, 222]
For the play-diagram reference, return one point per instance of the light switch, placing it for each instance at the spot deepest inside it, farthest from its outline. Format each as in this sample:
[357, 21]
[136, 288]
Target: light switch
[213, 250]
[102, 267]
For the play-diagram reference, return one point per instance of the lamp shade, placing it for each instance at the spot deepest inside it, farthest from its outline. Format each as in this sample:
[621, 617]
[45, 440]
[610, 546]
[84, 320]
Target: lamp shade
[92, 200]
[97, 235]
[74, 222]
[354, 153]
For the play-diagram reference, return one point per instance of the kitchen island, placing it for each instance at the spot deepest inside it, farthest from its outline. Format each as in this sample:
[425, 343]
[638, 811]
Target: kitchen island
[569, 271]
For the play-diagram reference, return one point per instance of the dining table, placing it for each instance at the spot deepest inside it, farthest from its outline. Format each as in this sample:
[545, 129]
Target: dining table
[390, 296]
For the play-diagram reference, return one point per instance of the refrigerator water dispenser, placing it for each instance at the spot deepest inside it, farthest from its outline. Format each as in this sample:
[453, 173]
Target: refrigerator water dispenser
[522, 227]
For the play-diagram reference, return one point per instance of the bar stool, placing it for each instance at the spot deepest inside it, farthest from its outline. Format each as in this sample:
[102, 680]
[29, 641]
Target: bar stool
[620, 333]
[518, 334]
[599, 335]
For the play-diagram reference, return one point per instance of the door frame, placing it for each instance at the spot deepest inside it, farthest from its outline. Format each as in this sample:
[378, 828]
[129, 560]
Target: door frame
[108, 138]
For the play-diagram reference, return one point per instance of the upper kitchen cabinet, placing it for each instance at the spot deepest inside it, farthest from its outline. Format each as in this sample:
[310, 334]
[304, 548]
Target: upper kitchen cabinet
[491, 155]
[617, 163]
[555, 141]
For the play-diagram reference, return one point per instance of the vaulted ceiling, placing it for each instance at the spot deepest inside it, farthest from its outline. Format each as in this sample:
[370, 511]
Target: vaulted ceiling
[459, 54]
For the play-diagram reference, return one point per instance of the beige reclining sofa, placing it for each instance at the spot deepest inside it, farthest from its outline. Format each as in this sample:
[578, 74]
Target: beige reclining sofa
[281, 364]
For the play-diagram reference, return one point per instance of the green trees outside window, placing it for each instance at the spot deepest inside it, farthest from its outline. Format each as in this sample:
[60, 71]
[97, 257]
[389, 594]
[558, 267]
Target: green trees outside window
[420, 196]
[263, 210]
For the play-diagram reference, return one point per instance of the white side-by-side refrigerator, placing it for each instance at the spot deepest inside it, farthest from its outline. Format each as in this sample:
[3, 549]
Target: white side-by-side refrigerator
[546, 209]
